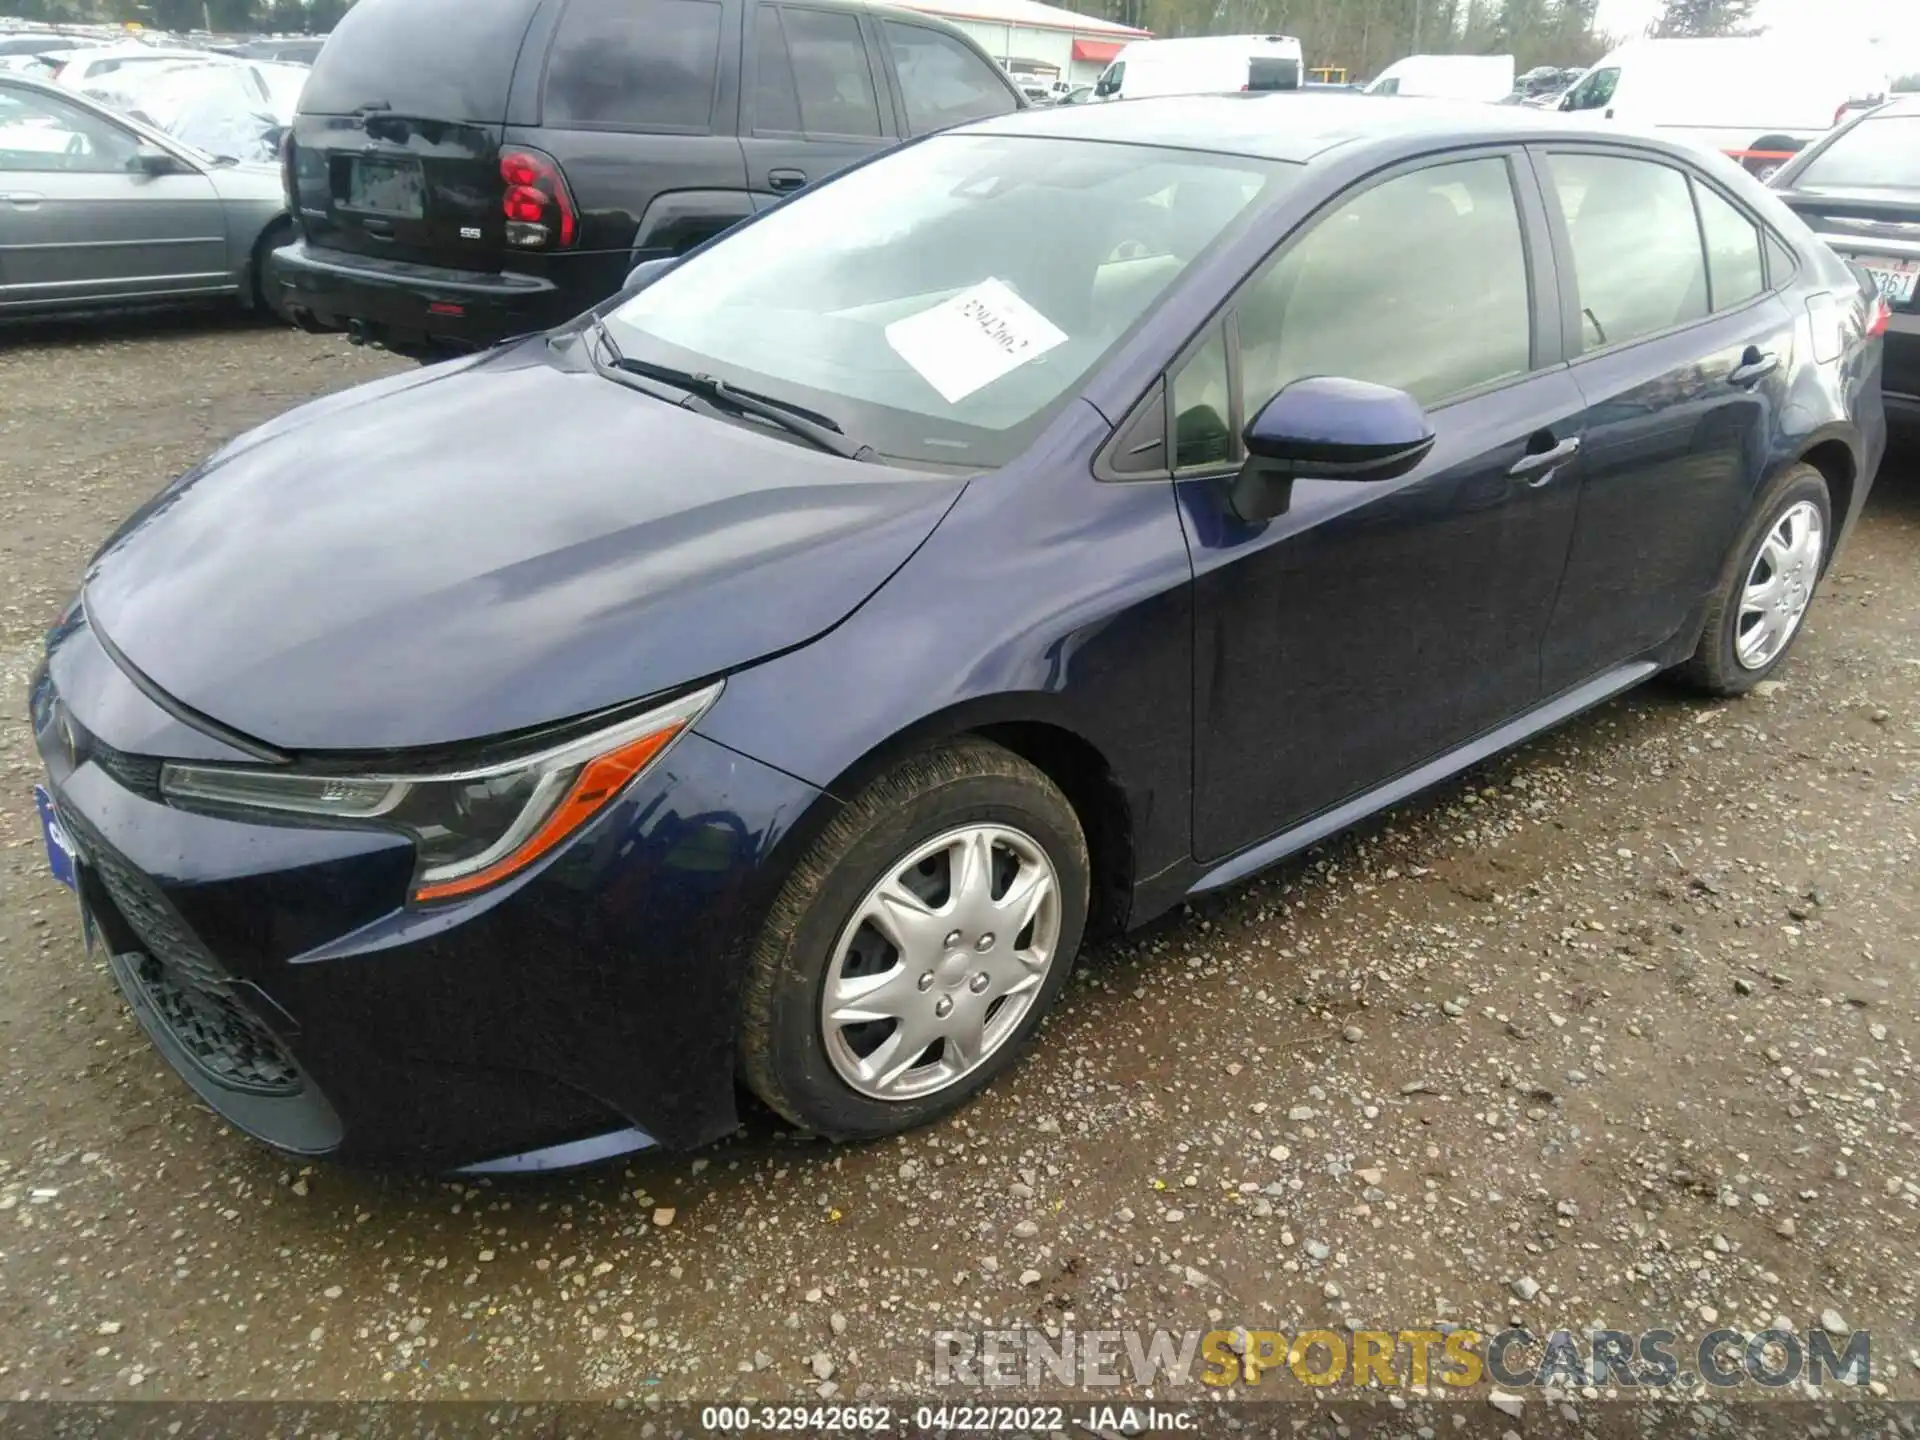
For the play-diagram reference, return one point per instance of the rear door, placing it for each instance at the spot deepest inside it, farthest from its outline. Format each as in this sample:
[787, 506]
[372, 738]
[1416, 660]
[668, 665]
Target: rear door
[815, 101]
[78, 225]
[1684, 354]
[397, 143]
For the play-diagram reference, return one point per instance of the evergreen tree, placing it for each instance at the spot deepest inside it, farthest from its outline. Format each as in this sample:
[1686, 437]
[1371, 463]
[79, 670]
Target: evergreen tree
[1691, 18]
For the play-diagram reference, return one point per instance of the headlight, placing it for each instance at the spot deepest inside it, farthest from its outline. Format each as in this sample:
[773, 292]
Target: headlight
[472, 828]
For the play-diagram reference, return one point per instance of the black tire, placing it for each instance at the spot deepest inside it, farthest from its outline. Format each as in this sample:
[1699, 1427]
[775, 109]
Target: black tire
[783, 1050]
[267, 294]
[1714, 666]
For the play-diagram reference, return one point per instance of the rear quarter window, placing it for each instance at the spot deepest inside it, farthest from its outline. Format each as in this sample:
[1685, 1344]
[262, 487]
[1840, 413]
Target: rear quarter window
[437, 59]
[634, 65]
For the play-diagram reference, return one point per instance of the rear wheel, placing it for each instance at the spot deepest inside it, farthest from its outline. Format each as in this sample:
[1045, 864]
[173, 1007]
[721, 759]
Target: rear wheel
[269, 297]
[1766, 587]
[915, 948]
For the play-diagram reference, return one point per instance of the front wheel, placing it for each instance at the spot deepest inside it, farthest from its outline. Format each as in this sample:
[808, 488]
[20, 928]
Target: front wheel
[915, 948]
[1766, 587]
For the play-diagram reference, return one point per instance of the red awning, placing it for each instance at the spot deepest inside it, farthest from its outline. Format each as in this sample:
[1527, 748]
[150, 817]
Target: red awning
[1101, 50]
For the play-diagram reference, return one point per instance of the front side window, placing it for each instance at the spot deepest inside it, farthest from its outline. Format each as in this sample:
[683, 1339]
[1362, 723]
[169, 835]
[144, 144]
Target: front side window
[41, 134]
[634, 65]
[1594, 92]
[1637, 257]
[1346, 299]
[1877, 154]
[1733, 250]
[908, 299]
[943, 82]
[830, 71]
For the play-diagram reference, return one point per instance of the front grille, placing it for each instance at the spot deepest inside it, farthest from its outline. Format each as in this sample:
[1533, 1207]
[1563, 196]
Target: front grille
[185, 986]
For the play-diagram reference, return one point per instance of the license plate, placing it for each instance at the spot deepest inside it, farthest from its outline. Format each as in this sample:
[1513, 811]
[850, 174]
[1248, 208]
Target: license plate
[386, 187]
[59, 845]
[1896, 278]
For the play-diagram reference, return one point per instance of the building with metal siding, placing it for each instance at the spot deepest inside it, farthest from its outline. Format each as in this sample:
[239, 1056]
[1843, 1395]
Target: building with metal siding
[1076, 47]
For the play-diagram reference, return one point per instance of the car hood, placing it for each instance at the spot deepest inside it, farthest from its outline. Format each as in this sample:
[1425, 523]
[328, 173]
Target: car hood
[487, 547]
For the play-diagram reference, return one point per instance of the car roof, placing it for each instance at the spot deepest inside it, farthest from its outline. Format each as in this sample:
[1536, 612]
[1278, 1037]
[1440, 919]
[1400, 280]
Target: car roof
[1298, 125]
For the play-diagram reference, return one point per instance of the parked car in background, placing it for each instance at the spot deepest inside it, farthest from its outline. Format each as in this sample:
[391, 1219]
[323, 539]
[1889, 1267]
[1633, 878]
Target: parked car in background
[1487, 78]
[1756, 99]
[90, 66]
[460, 174]
[1859, 189]
[287, 49]
[99, 210]
[886, 600]
[32, 42]
[237, 110]
[1203, 65]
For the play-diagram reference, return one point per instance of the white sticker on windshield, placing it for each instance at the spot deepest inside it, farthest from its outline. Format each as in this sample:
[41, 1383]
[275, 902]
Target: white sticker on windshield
[973, 338]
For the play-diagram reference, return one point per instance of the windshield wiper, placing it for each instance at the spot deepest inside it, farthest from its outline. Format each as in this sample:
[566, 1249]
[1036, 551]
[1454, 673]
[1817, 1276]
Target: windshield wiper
[817, 429]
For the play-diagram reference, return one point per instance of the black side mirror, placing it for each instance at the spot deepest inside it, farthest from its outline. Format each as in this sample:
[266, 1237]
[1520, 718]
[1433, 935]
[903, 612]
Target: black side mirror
[152, 161]
[648, 271]
[1566, 102]
[1326, 428]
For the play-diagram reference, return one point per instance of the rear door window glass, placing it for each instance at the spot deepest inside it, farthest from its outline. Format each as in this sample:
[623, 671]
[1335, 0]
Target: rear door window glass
[943, 82]
[1733, 250]
[439, 59]
[776, 103]
[634, 65]
[1637, 256]
[831, 72]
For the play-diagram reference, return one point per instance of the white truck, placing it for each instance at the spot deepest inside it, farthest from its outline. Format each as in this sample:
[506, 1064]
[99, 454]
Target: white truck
[1203, 65]
[1757, 99]
[1488, 78]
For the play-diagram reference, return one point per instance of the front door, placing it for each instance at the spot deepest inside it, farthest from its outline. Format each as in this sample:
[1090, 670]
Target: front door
[78, 224]
[813, 100]
[1374, 626]
[1684, 358]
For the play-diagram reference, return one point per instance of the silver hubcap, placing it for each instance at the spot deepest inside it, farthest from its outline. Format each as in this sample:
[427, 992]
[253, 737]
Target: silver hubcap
[941, 962]
[1779, 586]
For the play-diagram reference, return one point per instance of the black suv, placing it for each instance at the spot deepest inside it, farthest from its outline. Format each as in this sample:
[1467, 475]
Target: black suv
[459, 172]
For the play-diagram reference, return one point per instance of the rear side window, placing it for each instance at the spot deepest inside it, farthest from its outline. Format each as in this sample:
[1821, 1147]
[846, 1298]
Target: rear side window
[438, 59]
[1733, 251]
[1874, 155]
[1637, 256]
[830, 72]
[634, 65]
[944, 83]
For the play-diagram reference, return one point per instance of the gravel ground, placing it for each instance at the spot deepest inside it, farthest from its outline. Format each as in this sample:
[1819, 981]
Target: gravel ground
[1619, 1030]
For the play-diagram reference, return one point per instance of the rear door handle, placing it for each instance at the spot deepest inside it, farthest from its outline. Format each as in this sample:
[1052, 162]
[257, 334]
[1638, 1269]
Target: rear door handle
[1545, 462]
[23, 199]
[784, 180]
[1755, 366]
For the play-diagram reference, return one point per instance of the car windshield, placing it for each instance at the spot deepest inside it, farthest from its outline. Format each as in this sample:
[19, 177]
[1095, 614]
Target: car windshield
[1882, 154]
[941, 303]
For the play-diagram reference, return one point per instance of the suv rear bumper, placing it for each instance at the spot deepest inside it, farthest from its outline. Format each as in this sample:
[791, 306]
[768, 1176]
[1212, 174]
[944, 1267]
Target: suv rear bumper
[409, 306]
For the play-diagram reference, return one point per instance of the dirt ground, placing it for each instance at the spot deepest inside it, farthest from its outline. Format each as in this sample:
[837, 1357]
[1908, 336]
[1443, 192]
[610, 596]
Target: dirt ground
[1620, 1030]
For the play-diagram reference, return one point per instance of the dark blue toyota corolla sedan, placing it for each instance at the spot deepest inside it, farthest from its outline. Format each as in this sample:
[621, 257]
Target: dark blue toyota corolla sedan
[772, 677]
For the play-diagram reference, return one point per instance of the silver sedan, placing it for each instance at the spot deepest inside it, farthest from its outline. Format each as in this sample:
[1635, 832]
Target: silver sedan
[98, 210]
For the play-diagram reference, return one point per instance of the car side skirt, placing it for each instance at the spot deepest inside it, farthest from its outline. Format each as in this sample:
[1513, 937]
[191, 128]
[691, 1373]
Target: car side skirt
[1554, 712]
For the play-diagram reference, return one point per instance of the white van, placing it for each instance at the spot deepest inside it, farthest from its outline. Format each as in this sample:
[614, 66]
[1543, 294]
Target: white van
[1448, 77]
[1203, 65]
[1756, 99]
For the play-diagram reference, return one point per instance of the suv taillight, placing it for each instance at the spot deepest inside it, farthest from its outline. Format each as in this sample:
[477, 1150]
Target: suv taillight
[536, 202]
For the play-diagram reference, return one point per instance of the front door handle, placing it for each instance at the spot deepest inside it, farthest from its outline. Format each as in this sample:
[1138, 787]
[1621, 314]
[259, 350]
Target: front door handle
[1545, 462]
[1754, 367]
[785, 180]
[23, 199]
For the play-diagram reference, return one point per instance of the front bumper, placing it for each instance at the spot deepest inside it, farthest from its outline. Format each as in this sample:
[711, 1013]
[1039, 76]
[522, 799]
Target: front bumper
[412, 306]
[586, 1007]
